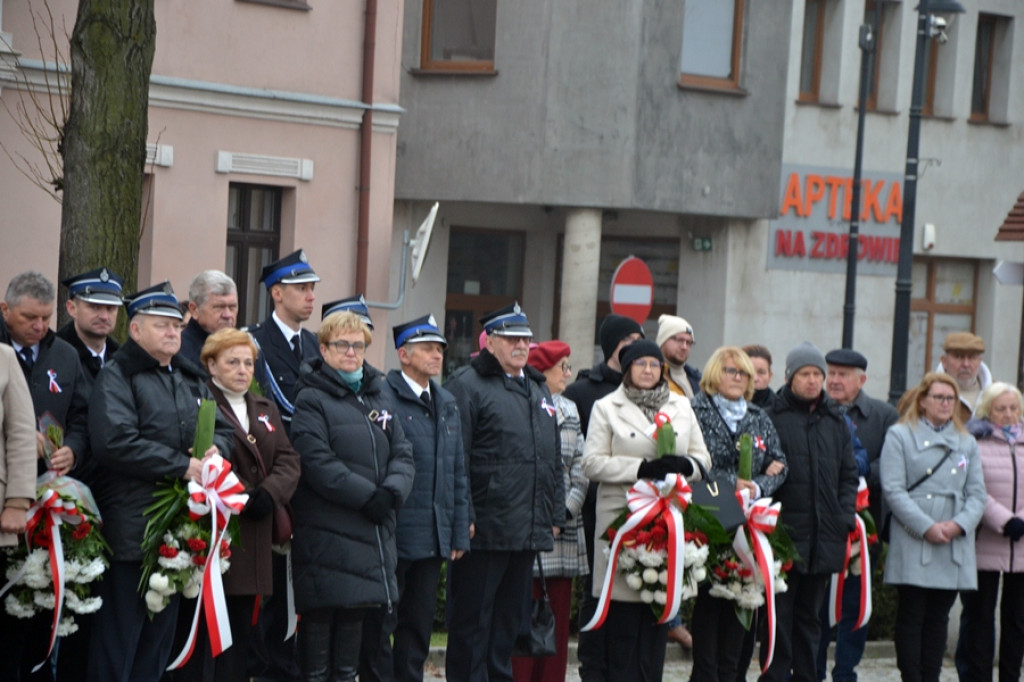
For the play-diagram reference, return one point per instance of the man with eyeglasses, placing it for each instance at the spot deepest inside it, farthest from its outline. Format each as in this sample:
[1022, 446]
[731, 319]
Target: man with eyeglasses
[961, 360]
[517, 497]
[675, 338]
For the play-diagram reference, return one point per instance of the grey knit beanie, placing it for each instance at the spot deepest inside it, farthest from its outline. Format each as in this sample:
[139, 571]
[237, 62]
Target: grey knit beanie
[803, 355]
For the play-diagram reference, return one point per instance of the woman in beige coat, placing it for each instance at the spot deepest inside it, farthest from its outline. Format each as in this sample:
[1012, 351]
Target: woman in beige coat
[17, 450]
[620, 450]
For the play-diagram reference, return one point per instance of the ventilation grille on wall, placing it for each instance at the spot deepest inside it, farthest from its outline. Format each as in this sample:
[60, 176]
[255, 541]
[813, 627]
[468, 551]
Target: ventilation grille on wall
[159, 155]
[258, 164]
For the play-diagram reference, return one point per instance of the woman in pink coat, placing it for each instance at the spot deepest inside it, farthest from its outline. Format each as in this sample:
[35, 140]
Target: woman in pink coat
[1000, 433]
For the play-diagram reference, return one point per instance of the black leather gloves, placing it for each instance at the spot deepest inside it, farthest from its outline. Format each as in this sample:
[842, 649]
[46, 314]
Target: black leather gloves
[260, 504]
[663, 466]
[377, 507]
[1014, 529]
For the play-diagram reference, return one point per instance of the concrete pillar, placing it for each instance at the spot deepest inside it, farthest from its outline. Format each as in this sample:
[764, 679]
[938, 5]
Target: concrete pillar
[580, 268]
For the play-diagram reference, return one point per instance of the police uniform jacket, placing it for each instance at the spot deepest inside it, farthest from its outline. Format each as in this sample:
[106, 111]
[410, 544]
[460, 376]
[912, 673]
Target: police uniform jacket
[90, 363]
[279, 362]
[434, 519]
[142, 423]
[510, 437]
[349, 444]
[955, 490]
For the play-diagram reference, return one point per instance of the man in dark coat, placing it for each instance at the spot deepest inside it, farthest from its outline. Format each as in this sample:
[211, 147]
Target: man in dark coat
[433, 523]
[510, 437]
[591, 385]
[871, 420]
[94, 301]
[213, 305]
[145, 409]
[818, 506]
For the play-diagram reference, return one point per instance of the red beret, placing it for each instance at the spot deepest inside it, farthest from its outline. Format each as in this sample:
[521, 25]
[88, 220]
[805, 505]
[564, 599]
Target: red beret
[546, 355]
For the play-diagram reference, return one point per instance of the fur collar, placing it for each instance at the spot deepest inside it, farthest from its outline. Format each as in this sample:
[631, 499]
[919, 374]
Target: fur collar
[486, 364]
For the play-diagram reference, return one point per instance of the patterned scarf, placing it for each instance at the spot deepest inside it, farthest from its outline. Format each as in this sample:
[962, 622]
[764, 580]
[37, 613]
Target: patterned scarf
[649, 400]
[732, 411]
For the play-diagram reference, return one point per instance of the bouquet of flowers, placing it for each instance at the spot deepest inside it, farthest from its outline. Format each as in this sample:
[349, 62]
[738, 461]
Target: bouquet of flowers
[63, 554]
[181, 558]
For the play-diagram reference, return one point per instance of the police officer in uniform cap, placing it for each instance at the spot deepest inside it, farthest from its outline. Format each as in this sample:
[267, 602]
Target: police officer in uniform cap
[356, 304]
[94, 300]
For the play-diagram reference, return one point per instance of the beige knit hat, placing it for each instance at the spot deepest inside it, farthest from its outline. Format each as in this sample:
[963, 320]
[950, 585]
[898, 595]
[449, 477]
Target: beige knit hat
[669, 326]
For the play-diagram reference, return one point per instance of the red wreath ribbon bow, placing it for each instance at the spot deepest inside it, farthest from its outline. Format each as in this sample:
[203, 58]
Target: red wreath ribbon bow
[51, 510]
[220, 494]
[860, 536]
[756, 554]
[647, 500]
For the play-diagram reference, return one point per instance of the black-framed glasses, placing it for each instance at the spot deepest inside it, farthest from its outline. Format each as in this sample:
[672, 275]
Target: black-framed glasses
[944, 399]
[565, 367]
[343, 346]
[736, 372]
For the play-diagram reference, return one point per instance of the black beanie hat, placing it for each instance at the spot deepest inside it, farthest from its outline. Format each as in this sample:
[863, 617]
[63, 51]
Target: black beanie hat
[643, 348]
[613, 330]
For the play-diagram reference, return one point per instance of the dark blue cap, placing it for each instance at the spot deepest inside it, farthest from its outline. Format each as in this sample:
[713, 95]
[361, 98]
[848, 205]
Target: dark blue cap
[846, 357]
[507, 321]
[156, 300]
[418, 331]
[292, 269]
[354, 304]
[99, 286]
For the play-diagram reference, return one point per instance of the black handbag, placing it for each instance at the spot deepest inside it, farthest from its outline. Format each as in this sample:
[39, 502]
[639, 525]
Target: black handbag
[540, 640]
[887, 521]
[715, 493]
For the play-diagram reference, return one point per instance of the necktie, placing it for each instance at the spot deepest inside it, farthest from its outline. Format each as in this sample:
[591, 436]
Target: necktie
[297, 348]
[26, 358]
[425, 397]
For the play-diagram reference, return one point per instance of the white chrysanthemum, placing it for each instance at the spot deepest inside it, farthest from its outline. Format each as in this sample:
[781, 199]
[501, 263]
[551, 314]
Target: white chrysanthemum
[37, 570]
[225, 564]
[646, 596]
[651, 559]
[735, 587]
[179, 563]
[694, 555]
[45, 600]
[781, 585]
[663, 577]
[169, 540]
[650, 576]
[79, 605]
[699, 574]
[627, 560]
[634, 581]
[660, 596]
[721, 591]
[750, 598]
[17, 609]
[13, 569]
[72, 568]
[161, 584]
[90, 571]
[67, 626]
[190, 591]
[155, 601]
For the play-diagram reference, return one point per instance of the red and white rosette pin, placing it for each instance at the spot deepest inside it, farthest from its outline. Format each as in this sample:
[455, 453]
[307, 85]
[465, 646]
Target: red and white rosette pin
[860, 536]
[218, 494]
[54, 386]
[647, 500]
[762, 518]
[52, 511]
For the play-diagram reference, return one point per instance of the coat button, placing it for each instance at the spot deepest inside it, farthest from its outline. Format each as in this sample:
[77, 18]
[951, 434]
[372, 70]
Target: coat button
[926, 443]
[928, 496]
[632, 434]
[252, 470]
[928, 471]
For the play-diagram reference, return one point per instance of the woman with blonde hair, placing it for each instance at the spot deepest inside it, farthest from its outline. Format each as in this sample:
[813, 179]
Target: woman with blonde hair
[999, 429]
[934, 487]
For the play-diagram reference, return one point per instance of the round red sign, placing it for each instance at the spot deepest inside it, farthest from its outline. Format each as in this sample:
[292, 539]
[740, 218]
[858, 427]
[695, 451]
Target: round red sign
[632, 292]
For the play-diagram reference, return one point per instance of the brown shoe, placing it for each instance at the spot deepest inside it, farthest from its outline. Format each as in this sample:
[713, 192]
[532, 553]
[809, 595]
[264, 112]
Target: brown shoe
[682, 636]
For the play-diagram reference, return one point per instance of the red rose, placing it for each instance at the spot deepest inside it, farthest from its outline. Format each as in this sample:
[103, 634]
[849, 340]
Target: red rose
[81, 531]
[610, 533]
[224, 546]
[786, 566]
[744, 572]
[225, 553]
[199, 559]
[721, 573]
[168, 551]
[196, 544]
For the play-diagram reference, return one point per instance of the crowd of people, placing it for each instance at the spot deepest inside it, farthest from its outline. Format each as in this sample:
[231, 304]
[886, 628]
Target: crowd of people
[503, 480]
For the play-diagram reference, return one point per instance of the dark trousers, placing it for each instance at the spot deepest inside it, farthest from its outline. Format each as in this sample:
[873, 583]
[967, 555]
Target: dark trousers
[232, 664]
[417, 601]
[28, 640]
[922, 615]
[978, 631]
[750, 638]
[591, 646]
[126, 645]
[271, 657]
[549, 668]
[328, 644]
[487, 596]
[717, 638]
[849, 643]
[797, 629]
[635, 643]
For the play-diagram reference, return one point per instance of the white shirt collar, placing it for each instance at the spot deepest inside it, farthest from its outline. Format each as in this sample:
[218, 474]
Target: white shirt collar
[285, 329]
[414, 386]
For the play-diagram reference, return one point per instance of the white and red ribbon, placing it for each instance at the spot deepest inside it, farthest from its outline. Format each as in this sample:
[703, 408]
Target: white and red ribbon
[860, 536]
[266, 422]
[647, 500]
[762, 518]
[220, 494]
[52, 511]
[54, 386]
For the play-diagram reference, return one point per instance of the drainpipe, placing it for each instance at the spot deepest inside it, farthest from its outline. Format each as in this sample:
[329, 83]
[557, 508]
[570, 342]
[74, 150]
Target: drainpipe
[365, 145]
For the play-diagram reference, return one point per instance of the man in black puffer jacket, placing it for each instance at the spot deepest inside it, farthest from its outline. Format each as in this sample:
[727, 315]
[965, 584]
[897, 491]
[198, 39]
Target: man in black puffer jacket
[818, 500]
[510, 437]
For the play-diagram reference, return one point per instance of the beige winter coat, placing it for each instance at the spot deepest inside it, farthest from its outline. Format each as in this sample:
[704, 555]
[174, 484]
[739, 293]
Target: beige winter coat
[18, 439]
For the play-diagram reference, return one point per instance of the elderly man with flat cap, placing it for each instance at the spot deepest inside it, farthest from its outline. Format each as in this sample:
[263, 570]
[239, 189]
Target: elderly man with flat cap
[517, 496]
[961, 360]
[94, 301]
[145, 407]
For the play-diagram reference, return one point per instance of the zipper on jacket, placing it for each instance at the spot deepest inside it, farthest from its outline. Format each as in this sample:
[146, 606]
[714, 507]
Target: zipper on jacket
[1013, 460]
[376, 528]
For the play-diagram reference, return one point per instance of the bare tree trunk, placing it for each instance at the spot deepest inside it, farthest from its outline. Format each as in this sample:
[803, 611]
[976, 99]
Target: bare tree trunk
[105, 139]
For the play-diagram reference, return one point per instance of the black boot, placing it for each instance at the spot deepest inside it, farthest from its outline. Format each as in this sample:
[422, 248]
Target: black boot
[314, 650]
[345, 643]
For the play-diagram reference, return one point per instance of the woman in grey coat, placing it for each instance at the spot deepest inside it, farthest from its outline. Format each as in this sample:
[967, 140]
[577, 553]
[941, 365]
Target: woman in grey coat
[933, 484]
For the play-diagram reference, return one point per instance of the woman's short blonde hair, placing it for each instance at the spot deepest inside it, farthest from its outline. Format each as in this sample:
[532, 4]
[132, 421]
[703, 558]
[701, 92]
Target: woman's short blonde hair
[221, 340]
[911, 401]
[712, 377]
[343, 322]
[984, 406]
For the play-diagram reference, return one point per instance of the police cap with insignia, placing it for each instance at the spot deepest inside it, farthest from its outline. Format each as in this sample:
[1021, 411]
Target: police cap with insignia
[420, 330]
[292, 269]
[353, 304]
[156, 300]
[99, 286]
[846, 357]
[507, 321]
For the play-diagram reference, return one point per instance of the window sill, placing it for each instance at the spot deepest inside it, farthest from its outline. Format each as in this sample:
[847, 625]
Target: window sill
[470, 73]
[818, 103]
[284, 4]
[713, 90]
[988, 122]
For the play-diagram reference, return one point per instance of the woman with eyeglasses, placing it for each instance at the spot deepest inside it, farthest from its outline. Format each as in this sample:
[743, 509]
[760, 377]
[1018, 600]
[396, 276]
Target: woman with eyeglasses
[621, 449]
[934, 487]
[725, 413]
[568, 559]
[357, 468]
[999, 430]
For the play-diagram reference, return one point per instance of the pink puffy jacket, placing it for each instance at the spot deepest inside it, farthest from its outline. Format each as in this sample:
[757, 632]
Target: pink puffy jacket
[1003, 465]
